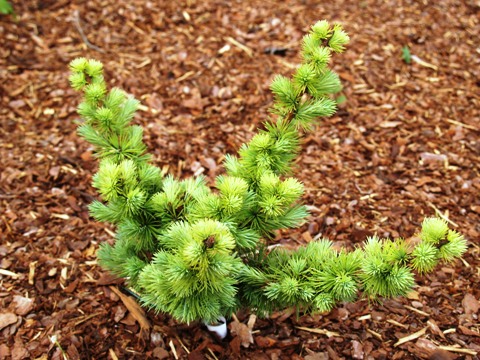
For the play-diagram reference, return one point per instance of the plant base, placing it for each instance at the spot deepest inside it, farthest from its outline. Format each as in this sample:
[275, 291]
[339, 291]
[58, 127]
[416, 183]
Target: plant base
[220, 329]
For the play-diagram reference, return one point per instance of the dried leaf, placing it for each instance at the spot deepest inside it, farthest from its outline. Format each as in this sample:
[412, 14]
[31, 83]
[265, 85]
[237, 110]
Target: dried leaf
[242, 331]
[137, 312]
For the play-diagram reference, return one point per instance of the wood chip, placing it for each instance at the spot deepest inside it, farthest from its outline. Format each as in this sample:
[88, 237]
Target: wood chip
[22, 305]
[174, 351]
[86, 318]
[439, 213]
[470, 304]
[251, 321]
[112, 354]
[424, 63]
[434, 326]
[7, 319]
[468, 331]
[9, 273]
[182, 345]
[31, 272]
[466, 126]
[60, 216]
[411, 337]
[417, 311]
[397, 323]
[374, 333]
[459, 350]
[328, 333]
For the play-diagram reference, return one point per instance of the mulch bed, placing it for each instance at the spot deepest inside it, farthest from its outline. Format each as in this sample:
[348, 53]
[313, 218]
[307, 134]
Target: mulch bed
[404, 145]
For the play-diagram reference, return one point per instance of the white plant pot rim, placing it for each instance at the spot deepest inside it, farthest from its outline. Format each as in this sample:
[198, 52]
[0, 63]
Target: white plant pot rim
[220, 329]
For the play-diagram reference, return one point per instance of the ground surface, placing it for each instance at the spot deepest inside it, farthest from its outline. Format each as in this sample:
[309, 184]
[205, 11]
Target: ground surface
[404, 145]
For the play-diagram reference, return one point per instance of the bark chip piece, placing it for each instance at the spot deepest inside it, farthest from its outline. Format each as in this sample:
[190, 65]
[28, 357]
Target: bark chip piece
[7, 319]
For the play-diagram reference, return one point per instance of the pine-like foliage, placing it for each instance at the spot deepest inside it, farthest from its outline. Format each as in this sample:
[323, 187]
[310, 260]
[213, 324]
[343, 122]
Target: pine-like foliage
[198, 252]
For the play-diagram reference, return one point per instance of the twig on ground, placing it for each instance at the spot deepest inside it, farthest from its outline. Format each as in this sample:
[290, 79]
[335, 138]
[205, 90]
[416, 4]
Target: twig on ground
[417, 311]
[182, 345]
[439, 213]
[411, 337]
[174, 351]
[76, 22]
[239, 45]
[213, 354]
[9, 273]
[466, 126]
[328, 333]
[421, 62]
[458, 350]
[112, 354]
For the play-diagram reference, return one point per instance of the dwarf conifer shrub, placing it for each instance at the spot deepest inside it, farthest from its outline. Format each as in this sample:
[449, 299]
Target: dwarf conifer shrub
[198, 252]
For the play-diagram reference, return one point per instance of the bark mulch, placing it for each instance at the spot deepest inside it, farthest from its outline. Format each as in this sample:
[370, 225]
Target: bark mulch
[404, 145]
